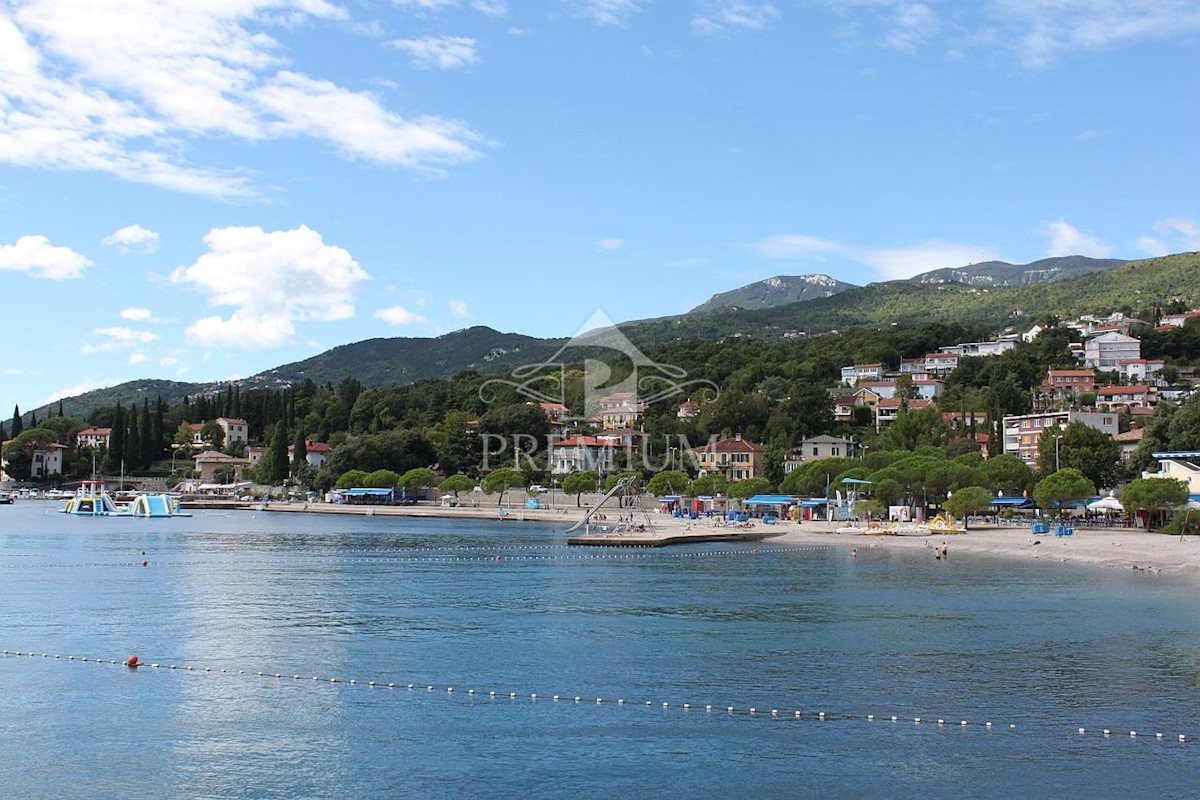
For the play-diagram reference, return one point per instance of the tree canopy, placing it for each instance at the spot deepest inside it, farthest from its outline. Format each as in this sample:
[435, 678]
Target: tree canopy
[1154, 495]
[1059, 489]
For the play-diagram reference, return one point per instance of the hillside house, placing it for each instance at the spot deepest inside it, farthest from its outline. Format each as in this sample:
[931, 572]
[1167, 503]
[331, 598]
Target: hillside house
[1107, 350]
[855, 374]
[212, 462]
[887, 409]
[1021, 431]
[620, 410]
[737, 458]
[315, 453]
[1068, 384]
[94, 437]
[1113, 397]
[581, 454]
[236, 431]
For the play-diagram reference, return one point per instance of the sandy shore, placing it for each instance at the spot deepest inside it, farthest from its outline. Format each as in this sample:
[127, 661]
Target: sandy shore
[1117, 548]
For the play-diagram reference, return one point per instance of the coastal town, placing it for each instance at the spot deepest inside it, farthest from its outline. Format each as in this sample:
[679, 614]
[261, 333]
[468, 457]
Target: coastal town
[890, 444]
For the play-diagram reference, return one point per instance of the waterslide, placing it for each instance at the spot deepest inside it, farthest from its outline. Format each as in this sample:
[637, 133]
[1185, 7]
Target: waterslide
[618, 487]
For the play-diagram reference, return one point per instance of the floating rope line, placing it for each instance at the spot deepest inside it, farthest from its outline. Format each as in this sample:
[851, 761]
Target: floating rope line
[486, 555]
[744, 710]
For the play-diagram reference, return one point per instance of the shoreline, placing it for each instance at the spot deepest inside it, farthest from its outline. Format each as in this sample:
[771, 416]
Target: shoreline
[1119, 548]
[1116, 548]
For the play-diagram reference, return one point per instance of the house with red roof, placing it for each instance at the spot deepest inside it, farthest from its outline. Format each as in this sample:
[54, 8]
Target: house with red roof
[737, 458]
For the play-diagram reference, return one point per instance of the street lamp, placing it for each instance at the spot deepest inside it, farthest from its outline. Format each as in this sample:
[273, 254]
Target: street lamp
[1057, 438]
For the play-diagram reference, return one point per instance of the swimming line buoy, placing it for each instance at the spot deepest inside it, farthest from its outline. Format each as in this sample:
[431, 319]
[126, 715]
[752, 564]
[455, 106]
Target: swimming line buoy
[133, 662]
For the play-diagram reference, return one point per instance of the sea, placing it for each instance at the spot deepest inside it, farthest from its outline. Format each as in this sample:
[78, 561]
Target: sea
[321, 656]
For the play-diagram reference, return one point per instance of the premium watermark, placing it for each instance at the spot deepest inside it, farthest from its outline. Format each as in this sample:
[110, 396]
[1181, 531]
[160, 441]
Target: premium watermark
[619, 382]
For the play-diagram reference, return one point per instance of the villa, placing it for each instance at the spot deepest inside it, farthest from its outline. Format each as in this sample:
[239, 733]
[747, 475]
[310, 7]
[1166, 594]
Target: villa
[737, 458]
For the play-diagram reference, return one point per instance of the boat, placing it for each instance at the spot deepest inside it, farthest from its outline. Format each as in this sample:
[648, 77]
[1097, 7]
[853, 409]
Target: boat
[6, 499]
[93, 500]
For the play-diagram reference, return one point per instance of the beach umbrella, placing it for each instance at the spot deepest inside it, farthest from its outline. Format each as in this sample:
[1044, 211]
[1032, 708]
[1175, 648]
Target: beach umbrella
[1110, 505]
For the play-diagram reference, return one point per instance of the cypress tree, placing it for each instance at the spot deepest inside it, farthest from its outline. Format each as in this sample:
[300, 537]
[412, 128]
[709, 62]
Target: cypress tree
[133, 440]
[60, 409]
[299, 448]
[116, 442]
[17, 427]
[146, 452]
[275, 460]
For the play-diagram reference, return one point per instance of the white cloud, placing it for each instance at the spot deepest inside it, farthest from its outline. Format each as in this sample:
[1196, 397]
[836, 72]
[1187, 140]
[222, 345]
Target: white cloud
[1067, 240]
[440, 52]
[1172, 235]
[136, 314]
[131, 236]
[787, 247]
[1045, 29]
[721, 17]
[116, 338]
[904, 262]
[273, 280]
[609, 245]
[913, 25]
[891, 263]
[607, 12]
[35, 256]
[399, 315]
[360, 127]
[489, 8]
[88, 385]
[121, 86]
[458, 309]
[137, 358]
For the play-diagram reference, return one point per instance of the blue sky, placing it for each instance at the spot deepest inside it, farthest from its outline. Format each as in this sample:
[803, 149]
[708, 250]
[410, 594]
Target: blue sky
[203, 189]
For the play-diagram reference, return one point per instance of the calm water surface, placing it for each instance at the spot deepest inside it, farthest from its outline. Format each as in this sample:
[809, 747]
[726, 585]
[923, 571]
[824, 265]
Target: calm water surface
[506, 608]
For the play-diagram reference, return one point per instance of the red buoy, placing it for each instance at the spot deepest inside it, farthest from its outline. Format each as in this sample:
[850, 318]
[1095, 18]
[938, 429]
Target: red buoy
[133, 661]
[145, 563]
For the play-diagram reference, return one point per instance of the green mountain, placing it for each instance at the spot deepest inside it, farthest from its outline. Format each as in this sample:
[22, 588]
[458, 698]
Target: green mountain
[778, 291]
[379, 362]
[1133, 284]
[1001, 273]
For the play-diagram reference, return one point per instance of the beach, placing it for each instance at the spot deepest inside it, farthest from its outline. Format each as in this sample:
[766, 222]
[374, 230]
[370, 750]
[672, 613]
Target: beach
[1116, 548]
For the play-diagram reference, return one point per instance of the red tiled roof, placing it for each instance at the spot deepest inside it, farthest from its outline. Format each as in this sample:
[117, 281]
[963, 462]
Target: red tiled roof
[730, 446]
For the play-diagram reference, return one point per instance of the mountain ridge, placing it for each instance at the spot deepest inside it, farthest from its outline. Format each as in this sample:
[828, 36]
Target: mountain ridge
[381, 361]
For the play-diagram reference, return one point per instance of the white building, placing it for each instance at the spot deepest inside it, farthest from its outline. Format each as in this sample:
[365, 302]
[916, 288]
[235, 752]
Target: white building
[1108, 350]
[94, 437]
[581, 454]
[236, 430]
[981, 349]
[857, 373]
